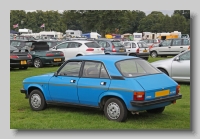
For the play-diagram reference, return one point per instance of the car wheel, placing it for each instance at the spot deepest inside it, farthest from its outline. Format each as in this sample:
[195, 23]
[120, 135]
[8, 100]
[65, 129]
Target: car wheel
[133, 55]
[157, 110]
[115, 110]
[164, 71]
[37, 63]
[37, 101]
[154, 54]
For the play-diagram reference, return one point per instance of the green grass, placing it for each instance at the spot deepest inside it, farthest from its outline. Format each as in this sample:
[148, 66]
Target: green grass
[175, 116]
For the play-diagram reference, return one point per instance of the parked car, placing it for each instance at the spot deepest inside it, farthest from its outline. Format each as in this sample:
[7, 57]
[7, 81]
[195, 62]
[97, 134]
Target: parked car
[112, 46]
[19, 58]
[115, 84]
[52, 43]
[137, 48]
[21, 44]
[178, 67]
[170, 47]
[78, 48]
[27, 38]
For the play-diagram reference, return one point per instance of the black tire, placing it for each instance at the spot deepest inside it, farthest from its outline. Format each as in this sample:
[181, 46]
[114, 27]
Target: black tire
[133, 55]
[118, 108]
[157, 110]
[154, 54]
[79, 55]
[37, 101]
[164, 71]
[38, 63]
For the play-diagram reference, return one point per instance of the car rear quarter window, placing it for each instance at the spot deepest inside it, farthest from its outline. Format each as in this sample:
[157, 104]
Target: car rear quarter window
[185, 56]
[186, 42]
[92, 45]
[135, 67]
[176, 42]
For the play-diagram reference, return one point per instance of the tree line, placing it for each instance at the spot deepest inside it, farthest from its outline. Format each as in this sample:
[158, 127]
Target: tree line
[102, 21]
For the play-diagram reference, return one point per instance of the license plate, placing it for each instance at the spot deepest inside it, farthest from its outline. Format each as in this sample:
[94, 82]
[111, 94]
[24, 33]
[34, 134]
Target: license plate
[57, 59]
[145, 51]
[121, 50]
[23, 62]
[162, 93]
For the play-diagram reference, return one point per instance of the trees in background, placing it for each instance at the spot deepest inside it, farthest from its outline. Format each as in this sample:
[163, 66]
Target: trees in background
[102, 21]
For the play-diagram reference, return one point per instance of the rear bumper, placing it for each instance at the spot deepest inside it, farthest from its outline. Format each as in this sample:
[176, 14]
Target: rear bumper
[156, 101]
[24, 92]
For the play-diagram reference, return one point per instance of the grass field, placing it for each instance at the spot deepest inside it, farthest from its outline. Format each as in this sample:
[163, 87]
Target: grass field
[175, 116]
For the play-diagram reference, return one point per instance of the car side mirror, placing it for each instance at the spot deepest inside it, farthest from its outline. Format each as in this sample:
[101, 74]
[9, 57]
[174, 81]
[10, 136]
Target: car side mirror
[56, 74]
[177, 58]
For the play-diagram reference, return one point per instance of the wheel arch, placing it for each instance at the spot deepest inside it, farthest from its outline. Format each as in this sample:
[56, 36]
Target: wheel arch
[31, 88]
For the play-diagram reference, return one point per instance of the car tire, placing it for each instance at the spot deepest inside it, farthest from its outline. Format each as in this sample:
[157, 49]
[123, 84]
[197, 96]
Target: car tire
[154, 54]
[37, 101]
[164, 71]
[78, 55]
[115, 110]
[133, 55]
[38, 63]
[157, 110]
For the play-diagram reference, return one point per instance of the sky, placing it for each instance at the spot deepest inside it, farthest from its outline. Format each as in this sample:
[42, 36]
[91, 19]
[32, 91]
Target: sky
[169, 12]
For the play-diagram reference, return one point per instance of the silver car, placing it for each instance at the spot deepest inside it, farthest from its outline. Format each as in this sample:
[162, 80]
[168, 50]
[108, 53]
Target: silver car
[178, 67]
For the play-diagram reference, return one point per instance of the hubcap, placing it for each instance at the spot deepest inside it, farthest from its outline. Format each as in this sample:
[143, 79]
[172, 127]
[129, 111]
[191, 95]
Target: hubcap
[153, 54]
[37, 63]
[113, 110]
[35, 100]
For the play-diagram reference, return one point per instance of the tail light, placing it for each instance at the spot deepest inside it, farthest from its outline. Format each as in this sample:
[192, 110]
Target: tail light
[102, 49]
[14, 56]
[29, 56]
[61, 54]
[90, 49]
[113, 49]
[138, 96]
[178, 87]
[49, 54]
[138, 50]
[189, 47]
[151, 46]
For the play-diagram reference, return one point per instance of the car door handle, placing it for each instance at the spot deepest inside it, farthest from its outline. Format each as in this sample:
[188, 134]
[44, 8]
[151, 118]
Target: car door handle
[169, 47]
[72, 81]
[181, 47]
[128, 50]
[103, 83]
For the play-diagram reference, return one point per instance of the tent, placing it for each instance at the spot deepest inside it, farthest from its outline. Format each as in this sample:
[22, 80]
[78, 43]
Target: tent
[14, 32]
[86, 35]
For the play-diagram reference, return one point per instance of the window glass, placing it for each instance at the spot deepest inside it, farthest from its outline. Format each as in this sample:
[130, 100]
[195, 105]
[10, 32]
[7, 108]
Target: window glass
[71, 69]
[74, 45]
[186, 42]
[127, 44]
[63, 45]
[103, 72]
[166, 43]
[176, 42]
[93, 45]
[91, 69]
[185, 56]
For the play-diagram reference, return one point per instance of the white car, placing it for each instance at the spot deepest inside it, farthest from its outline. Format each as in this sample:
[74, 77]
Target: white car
[137, 48]
[78, 48]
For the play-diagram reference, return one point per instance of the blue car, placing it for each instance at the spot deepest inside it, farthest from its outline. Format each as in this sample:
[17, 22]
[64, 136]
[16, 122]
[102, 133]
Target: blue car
[115, 84]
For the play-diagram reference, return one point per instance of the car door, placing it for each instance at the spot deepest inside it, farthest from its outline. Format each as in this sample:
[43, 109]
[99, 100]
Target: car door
[93, 82]
[176, 46]
[164, 47]
[72, 49]
[63, 87]
[62, 47]
[181, 67]
[128, 46]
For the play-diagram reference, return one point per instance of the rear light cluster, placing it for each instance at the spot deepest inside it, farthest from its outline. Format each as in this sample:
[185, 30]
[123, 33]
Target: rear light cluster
[138, 50]
[61, 54]
[151, 46]
[14, 56]
[49, 54]
[138, 96]
[113, 49]
[178, 87]
[29, 56]
[90, 49]
[102, 49]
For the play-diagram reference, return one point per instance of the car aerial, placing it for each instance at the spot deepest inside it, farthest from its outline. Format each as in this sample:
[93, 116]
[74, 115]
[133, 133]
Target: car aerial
[19, 58]
[137, 48]
[78, 48]
[113, 83]
[112, 46]
[178, 67]
[170, 47]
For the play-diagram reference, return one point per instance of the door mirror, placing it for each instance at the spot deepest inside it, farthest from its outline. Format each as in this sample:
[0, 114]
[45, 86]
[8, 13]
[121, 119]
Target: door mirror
[177, 58]
[56, 74]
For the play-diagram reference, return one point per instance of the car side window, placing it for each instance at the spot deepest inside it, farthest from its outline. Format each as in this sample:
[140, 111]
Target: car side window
[74, 45]
[63, 45]
[13, 43]
[102, 44]
[176, 42]
[103, 72]
[185, 56]
[166, 43]
[186, 42]
[71, 69]
[91, 69]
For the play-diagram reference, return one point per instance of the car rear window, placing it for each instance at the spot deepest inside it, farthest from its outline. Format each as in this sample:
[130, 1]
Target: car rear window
[142, 45]
[92, 45]
[117, 43]
[135, 67]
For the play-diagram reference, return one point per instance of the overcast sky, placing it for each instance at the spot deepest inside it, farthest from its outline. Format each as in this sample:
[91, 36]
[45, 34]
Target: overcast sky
[169, 12]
